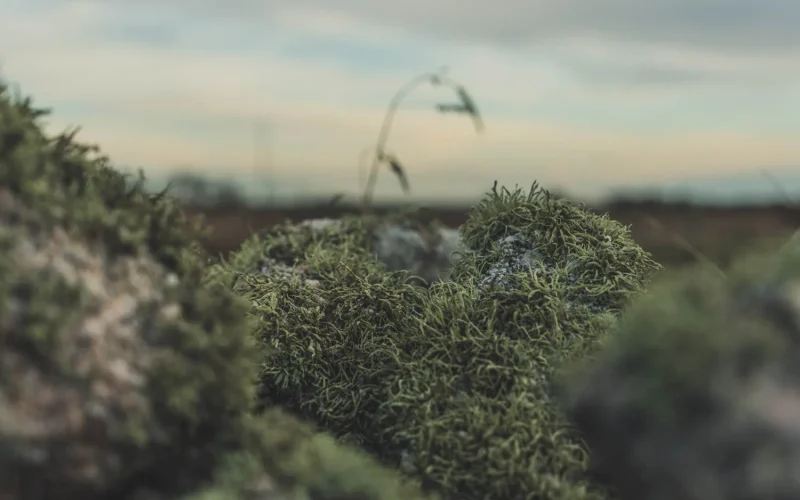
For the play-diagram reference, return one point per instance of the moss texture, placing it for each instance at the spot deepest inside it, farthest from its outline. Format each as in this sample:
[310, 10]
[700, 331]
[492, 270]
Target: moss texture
[697, 396]
[126, 369]
[86, 247]
[409, 241]
[303, 464]
[539, 284]
[451, 383]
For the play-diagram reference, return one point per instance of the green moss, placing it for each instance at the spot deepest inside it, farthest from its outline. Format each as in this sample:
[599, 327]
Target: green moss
[304, 465]
[709, 323]
[592, 260]
[109, 266]
[694, 383]
[470, 407]
[201, 379]
[51, 304]
[452, 383]
[330, 335]
[293, 245]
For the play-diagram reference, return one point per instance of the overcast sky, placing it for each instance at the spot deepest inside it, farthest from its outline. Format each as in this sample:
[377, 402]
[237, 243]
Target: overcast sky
[580, 94]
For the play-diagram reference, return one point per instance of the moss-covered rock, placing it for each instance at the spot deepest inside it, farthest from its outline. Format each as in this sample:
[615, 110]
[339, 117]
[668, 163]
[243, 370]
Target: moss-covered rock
[451, 383]
[410, 241]
[127, 370]
[117, 367]
[469, 410]
[697, 396]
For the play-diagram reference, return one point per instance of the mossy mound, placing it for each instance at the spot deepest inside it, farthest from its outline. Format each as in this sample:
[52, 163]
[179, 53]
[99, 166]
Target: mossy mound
[450, 383]
[540, 282]
[118, 367]
[127, 371]
[697, 395]
[589, 260]
[331, 328]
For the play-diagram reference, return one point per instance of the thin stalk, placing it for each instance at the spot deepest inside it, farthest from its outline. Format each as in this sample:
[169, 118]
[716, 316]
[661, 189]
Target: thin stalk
[386, 127]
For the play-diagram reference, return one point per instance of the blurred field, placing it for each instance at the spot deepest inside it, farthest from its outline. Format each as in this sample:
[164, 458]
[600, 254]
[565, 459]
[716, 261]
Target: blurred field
[674, 233]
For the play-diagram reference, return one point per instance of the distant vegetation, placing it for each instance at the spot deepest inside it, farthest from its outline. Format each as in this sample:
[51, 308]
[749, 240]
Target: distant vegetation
[201, 191]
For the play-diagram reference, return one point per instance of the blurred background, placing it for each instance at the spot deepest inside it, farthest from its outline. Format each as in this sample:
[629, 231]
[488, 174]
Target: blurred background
[678, 117]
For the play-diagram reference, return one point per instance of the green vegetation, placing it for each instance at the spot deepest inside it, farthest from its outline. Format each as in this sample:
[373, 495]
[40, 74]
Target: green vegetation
[698, 388]
[302, 368]
[449, 384]
[465, 106]
[81, 243]
[304, 465]
[126, 369]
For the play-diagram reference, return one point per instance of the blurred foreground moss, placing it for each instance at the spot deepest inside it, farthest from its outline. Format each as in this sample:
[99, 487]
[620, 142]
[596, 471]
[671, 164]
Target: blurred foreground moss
[303, 465]
[697, 394]
[451, 384]
[126, 369]
[105, 323]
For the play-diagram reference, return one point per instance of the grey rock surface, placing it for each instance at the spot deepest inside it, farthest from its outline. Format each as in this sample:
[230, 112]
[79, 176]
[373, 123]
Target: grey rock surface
[426, 252]
[427, 255]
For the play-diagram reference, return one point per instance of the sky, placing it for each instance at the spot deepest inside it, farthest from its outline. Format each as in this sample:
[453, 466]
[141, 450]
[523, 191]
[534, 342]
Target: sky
[586, 96]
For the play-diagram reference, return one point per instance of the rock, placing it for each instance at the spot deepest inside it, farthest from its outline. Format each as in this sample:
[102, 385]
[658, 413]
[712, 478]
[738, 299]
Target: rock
[698, 394]
[67, 434]
[428, 253]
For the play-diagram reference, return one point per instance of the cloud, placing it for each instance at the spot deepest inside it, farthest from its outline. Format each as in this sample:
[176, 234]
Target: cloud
[738, 25]
[174, 84]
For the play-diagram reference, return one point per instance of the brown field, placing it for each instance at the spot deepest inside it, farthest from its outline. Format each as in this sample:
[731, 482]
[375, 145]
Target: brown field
[674, 233]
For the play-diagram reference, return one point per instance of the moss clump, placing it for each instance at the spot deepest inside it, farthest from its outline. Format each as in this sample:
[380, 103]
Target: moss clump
[539, 284]
[697, 394]
[451, 383]
[592, 260]
[303, 465]
[331, 329]
[104, 315]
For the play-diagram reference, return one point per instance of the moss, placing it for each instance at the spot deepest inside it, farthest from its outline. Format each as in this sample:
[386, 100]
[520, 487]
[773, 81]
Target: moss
[452, 383]
[384, 236]
[698, 379]
[201, 377]
[303, 465]
[51, 302]
[540, 284]
[592, 259]
[329, 333]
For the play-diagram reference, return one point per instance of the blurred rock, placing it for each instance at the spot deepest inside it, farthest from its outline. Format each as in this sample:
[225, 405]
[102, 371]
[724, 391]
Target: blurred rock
[698, 394]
